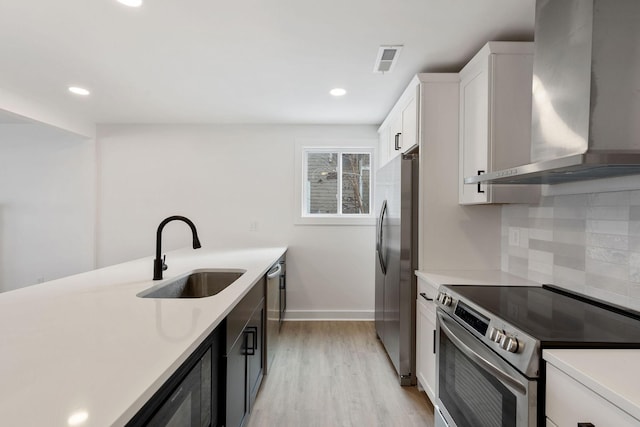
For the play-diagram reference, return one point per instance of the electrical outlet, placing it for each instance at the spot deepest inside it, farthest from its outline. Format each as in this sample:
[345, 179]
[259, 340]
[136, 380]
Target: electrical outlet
[253, 226]
[514, 236]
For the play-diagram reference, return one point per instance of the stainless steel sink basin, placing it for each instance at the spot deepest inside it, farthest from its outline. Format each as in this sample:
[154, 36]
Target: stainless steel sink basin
[199, 284]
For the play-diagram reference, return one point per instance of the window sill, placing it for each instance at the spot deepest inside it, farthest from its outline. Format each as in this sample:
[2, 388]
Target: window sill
[307, 220]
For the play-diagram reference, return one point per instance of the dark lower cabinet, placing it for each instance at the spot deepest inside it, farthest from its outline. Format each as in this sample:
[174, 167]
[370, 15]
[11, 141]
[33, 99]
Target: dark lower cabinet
[244, 359]
[255, 356]
[218, 384]
[237, 405]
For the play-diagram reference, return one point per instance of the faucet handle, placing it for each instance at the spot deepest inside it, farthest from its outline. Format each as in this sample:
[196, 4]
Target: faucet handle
[164, 265]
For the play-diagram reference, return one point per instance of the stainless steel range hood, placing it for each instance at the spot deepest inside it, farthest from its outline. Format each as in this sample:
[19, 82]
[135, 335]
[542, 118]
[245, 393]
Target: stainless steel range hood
[586, 94]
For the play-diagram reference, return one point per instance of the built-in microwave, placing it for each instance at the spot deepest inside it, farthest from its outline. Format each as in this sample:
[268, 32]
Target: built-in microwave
[190, 398]
[190, 403]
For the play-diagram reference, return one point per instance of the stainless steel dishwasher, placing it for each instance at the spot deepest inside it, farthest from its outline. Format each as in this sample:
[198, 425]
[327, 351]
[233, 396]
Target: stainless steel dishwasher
[274, 303]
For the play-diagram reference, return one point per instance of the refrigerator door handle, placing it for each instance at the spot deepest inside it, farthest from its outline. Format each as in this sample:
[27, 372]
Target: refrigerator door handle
[378, 225]
[380, 241]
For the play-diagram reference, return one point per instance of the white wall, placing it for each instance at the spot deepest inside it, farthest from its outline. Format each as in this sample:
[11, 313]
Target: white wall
[30, 108]
[225, 178]
[47, 204]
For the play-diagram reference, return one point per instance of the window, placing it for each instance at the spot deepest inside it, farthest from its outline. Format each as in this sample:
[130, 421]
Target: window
[337, 182]
[334, 182]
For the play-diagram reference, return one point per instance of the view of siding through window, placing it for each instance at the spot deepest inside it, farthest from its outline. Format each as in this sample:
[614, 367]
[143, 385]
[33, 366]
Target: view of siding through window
[589, 243]
[338, 176]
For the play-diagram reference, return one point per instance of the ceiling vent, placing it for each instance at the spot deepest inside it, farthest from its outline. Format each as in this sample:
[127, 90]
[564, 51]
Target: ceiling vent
[386, 59]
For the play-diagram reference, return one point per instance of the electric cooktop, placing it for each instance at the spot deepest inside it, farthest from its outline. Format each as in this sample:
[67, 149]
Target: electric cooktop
[555, 317]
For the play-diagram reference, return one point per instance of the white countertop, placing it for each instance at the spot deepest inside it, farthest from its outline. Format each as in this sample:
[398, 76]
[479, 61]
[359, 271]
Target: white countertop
[613, 374]
[472, 277]
[86, 343]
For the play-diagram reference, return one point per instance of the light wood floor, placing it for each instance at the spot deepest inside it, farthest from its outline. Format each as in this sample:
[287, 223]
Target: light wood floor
[328, 374]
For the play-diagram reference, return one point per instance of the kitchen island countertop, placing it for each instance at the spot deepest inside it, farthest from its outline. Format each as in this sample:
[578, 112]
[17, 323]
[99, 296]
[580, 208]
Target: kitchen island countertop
[87, 346]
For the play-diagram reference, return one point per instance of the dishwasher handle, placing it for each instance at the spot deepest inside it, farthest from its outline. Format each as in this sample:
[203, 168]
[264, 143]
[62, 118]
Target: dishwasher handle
[274, 272]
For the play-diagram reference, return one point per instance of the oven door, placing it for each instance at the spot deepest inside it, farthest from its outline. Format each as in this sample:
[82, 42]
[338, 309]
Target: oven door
[476, 387]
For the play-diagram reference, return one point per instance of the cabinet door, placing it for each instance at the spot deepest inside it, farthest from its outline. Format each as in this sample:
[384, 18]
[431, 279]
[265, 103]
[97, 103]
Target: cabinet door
[474, 134]
[236, 398]
[569, 402]
[255, 359]
[404, 128]
[425, 347]
[383, 146]
[409, 136]
[395, 137]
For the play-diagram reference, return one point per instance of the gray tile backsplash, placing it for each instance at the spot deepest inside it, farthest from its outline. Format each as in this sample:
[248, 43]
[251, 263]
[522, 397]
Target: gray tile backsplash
[589, 243]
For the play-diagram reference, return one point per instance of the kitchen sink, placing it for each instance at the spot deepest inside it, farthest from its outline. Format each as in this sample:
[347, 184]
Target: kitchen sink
[199, 284]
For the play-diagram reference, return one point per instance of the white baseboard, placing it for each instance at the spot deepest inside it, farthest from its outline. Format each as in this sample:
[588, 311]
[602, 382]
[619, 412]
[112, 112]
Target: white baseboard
[308, 315]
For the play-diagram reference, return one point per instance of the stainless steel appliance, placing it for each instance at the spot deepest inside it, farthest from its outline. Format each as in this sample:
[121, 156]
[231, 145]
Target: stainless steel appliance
[396, 200]
[190, 403]
[283, 287]
[192, 396]
[586, 100]
[275, 288]
[489, 348]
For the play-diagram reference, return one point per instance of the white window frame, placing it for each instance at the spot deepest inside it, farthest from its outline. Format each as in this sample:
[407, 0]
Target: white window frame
[342, 147]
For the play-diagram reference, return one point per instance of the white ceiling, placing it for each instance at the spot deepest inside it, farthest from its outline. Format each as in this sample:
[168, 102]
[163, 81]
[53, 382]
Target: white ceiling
[239, 61]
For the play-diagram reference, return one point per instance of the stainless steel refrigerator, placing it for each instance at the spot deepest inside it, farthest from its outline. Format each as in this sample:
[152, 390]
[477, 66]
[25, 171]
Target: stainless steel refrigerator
[396, 201]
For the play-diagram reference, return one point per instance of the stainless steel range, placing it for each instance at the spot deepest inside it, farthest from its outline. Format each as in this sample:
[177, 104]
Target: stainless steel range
[490, 342]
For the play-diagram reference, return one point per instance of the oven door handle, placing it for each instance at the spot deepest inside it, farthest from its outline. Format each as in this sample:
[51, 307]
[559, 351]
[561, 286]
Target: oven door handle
[481, 361]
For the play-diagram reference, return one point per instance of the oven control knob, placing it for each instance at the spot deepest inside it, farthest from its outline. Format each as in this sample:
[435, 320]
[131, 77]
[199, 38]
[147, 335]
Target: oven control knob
[496, 335]
[509, 343]
[444, 299]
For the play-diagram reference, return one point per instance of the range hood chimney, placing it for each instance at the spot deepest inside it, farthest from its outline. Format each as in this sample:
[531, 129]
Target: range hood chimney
[586, 94]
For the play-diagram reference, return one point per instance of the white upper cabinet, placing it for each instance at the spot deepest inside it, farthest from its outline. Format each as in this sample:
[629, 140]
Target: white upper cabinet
[409, 118]
[399, 131]
[383, 145]
[495, 121]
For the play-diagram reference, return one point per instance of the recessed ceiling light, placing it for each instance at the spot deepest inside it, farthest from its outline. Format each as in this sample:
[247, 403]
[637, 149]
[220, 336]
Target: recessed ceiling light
[131, 3]
[337, 91]
[79, 90]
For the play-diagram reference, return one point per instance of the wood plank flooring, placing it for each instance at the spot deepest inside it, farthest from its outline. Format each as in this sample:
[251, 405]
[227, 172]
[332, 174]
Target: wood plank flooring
[328, 374]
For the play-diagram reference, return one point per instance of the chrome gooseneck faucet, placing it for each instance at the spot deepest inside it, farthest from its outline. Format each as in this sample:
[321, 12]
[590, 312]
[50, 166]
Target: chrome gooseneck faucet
[158, 264]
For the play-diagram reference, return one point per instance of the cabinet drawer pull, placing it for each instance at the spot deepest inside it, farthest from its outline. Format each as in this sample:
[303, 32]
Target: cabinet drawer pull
[479, 190]
[585, 425]
[397, 141]
[253, 331]
[423, 295]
